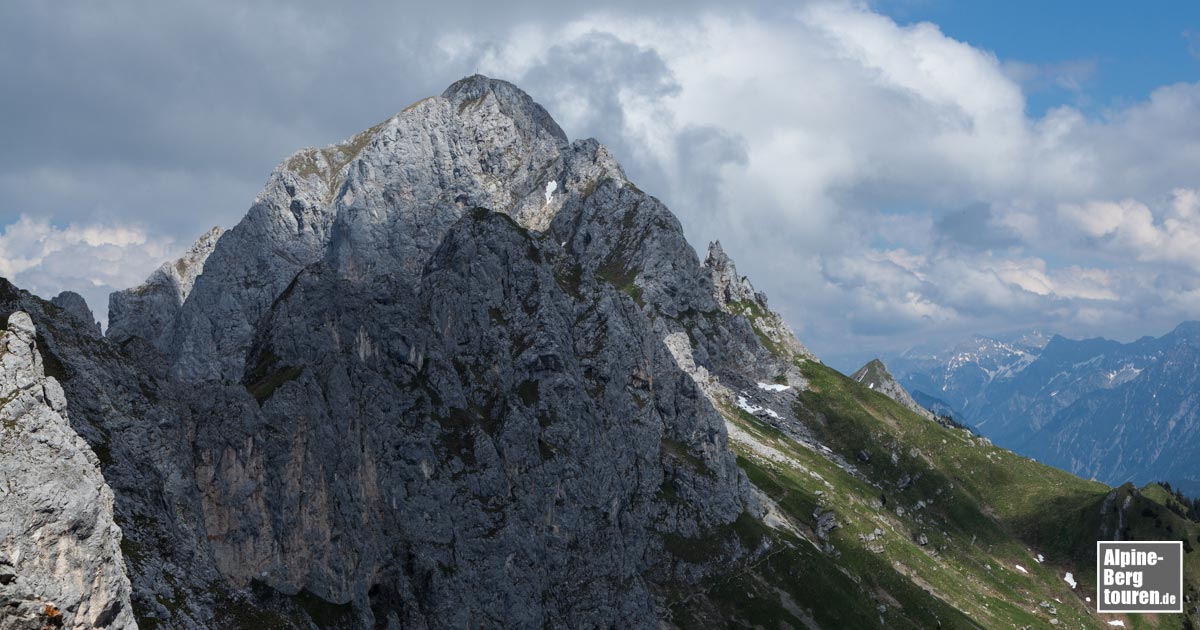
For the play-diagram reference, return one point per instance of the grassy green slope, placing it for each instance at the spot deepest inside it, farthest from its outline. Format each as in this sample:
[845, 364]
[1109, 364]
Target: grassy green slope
[935, 527]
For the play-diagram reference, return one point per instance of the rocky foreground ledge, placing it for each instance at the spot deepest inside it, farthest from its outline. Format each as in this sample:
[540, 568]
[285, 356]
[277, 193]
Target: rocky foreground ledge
[60, 556]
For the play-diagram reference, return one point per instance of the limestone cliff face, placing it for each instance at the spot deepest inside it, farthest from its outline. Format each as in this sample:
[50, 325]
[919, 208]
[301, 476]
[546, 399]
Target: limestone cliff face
[380, 203]
[60, 556]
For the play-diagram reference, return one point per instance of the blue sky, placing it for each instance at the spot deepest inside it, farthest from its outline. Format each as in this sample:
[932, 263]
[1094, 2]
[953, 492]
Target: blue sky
[1131, 48]
[892, 173]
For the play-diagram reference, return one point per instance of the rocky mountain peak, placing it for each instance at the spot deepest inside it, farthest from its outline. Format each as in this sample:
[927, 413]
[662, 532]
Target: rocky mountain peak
[1188, 332]
[873, 372]
[376, 205]
[875, 375]
[734, 294]
[509, 99]
[180, 274]
[188, 267]
[450, 328]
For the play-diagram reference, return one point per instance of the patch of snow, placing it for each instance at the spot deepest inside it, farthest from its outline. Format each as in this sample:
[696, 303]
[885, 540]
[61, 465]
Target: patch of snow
[774, 387]
[870, 385]
[1117, 622]
[1095, 359]
[753, 409]
[1070, 579]
[550, 188]
[1127, 373]
[1021, 569]
[745, 405]
[1041, 558]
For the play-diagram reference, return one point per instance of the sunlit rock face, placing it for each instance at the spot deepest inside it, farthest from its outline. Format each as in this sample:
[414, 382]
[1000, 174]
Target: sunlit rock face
[60, 556]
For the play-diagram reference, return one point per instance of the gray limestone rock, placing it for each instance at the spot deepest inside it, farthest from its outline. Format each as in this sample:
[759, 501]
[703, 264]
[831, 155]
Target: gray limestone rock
[138, 432]
[502, 416]
[60, 558]
[73, 303]
[380, 203]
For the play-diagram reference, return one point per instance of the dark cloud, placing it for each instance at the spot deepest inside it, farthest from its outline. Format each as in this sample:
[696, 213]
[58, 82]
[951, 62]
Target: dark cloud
[585, 81]
[194, 101]
[975, 227]
[589, 83]
[704, 151]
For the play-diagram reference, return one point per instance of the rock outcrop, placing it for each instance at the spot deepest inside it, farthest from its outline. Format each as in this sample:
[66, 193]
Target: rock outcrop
[442, 398]
[423, 374]
[73, 303]
[875, 375]
[148, 311]
[380, 203]
[60, 558]
[735, 294]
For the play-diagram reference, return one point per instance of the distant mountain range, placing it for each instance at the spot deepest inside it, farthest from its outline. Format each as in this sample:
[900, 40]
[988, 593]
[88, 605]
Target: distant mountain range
[1098, 408]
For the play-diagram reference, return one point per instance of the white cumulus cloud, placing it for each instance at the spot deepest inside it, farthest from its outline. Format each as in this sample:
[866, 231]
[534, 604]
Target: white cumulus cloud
[829, 147]
[91, 259]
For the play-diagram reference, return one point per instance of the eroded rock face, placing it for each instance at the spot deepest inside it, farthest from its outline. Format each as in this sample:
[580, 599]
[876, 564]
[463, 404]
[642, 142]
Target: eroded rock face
[455, 378]
[139, 432]
[501, 417]
[60, 556]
